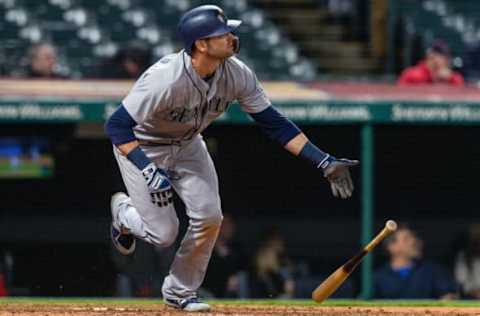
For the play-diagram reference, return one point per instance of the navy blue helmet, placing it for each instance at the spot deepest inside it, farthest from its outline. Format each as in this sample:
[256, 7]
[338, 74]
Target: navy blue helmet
[203, 22]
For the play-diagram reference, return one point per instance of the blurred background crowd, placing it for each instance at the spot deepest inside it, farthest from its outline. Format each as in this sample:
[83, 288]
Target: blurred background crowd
[290, 249]
[281, 40]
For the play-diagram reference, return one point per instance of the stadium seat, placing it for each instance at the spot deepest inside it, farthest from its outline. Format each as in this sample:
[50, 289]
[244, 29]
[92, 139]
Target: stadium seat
[453, 21]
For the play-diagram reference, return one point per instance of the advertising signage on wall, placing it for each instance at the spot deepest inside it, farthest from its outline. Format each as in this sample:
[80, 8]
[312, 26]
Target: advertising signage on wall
[312, 112]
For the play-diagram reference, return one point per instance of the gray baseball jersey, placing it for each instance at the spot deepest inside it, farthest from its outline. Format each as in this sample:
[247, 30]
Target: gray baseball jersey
[171, 105]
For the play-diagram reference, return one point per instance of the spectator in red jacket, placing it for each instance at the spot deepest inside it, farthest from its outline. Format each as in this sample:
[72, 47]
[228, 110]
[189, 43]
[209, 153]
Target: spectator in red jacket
[435, 68]
[3, 286]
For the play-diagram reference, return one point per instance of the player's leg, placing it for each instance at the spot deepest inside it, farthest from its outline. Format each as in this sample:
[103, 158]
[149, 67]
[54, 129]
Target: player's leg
[198, 188]
[149, 217]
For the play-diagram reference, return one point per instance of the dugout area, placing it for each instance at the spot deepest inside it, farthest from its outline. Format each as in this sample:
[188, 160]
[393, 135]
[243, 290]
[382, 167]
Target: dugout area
[60, 223]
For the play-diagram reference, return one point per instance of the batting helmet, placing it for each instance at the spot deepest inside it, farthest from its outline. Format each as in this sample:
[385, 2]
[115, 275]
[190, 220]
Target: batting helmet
[203, 22]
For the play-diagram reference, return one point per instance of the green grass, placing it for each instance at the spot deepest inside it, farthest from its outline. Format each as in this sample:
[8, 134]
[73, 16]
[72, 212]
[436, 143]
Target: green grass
[329, 303]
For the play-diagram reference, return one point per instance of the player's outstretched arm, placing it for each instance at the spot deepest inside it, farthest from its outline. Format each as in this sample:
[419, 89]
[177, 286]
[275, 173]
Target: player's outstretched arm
[281, 129]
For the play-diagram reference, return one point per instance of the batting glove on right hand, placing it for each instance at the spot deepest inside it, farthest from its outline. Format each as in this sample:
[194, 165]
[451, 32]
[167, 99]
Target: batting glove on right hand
[157, 179]
[338, 174]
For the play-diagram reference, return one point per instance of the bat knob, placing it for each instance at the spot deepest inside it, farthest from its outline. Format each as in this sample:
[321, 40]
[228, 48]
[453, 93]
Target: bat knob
[391, 225]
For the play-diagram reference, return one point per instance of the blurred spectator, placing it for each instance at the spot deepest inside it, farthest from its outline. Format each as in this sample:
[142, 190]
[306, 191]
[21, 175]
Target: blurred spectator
[226, 262]
[467, 265]
[6, 266]
[43, 62]
[272, 274]
[3, 283]
[435, 68]
[129, 63]
[3, 286]
[407, 275]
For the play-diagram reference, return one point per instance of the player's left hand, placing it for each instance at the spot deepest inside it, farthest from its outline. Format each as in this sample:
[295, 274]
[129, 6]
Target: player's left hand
[338, 174]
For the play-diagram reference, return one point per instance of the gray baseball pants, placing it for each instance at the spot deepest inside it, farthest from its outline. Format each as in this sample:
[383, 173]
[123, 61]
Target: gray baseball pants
[153, 218]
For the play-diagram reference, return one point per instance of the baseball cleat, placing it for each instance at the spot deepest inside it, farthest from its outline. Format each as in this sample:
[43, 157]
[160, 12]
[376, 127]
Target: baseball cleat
[121, 237]
[192, 304]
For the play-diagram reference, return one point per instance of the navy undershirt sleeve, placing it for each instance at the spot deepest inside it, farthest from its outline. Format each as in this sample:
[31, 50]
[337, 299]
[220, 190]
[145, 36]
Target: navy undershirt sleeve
[276, 125]
[119, 127]
[281, 129]
[138, 158]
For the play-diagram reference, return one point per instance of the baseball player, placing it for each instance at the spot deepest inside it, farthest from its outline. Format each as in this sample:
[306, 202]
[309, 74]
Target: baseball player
[158, 147]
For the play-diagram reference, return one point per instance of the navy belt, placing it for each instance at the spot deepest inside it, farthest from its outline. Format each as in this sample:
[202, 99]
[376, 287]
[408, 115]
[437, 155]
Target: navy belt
[154, 144]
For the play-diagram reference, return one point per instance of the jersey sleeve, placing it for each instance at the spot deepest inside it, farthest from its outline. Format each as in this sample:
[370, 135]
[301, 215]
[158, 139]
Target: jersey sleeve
[251, 96]
[410, 76]
[150, 94]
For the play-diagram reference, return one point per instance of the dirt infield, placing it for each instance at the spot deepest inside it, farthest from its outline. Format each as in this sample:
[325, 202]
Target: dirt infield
[12, 309]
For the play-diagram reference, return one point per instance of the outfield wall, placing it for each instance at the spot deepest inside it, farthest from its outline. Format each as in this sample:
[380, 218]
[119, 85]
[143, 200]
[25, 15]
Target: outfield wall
[425, 166]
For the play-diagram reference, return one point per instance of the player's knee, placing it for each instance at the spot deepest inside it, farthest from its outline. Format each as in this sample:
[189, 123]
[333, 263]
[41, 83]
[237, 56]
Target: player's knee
[168, 240]
[166, 235]
[164, 239]
[170, 236]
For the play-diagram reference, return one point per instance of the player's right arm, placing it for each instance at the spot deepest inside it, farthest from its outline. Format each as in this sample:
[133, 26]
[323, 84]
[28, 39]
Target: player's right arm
[125, 149]
[149, 95]
[119, 127]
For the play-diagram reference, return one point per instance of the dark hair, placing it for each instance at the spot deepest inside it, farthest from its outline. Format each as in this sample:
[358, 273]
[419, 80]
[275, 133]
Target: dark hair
[440, 47]
[401, 226]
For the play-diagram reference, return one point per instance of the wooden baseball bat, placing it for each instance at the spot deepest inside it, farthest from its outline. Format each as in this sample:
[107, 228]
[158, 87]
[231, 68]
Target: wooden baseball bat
[331, 284]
